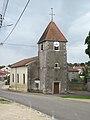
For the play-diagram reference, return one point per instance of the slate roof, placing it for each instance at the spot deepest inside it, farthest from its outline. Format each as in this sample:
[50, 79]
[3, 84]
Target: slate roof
[23, 62]
[52, 32]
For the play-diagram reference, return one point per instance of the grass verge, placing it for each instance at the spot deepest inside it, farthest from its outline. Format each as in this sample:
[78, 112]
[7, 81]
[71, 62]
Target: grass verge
[4, 101]
[77, 97]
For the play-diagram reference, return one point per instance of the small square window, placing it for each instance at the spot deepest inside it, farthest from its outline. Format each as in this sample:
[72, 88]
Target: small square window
[56, 48]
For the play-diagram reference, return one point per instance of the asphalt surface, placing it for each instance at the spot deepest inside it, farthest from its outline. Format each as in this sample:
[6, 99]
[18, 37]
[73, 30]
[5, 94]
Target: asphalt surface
[60, 108]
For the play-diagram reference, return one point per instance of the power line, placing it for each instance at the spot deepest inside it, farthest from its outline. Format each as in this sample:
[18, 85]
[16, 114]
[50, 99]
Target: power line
[18, 45]
[2, 15]
[16, 23]
[29, 45]
[4, 9]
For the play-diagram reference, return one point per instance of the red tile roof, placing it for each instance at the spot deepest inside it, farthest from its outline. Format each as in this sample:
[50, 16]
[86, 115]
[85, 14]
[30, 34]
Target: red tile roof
[4, 72]
[78, 67]
[70, 69]
[23, 62]
[52, 32]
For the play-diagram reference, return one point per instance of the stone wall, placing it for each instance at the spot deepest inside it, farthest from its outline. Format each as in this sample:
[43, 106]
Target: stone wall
[88, 83]
[18, 87]
[48, 57]
[33, 74]
[76, 86]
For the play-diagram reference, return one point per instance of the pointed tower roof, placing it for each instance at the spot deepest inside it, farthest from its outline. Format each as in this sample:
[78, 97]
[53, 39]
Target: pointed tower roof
[52, 33]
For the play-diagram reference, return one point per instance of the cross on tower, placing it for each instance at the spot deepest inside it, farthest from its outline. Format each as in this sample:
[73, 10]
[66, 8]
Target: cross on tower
[52, 14]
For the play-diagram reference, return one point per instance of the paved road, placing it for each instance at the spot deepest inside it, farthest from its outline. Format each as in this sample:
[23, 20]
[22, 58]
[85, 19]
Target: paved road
[52, 105]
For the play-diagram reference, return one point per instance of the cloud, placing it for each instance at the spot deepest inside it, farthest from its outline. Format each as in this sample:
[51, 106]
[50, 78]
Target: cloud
[77, 33]
[76, 53]
[72, 17]
[80, 26]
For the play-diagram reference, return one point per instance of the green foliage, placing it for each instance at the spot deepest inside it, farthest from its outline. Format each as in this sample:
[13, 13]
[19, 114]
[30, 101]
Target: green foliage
[87, 41]
[4, 101]
[77, 97]
[88, 63]
[86, 73]
[8, 80]
[2, 66]
[76, 64]
[76, 80]
[82, 64]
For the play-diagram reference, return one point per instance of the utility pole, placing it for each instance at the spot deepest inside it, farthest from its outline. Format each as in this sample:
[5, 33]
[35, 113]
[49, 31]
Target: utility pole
[0, 20]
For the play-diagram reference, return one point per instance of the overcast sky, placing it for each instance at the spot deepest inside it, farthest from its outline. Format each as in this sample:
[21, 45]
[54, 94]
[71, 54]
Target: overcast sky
[71, 16]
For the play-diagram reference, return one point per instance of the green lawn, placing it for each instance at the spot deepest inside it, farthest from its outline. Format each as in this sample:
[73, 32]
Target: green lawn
[77, 97]
[4, 101]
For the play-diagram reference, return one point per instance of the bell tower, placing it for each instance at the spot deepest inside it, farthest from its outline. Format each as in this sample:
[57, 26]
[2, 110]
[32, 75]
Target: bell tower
[52, 60]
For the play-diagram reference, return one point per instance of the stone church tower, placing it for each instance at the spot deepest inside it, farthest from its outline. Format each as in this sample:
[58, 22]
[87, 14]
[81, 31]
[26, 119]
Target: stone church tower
[52, 60]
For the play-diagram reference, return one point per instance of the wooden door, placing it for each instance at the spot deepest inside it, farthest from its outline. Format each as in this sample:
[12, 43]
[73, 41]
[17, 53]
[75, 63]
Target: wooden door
[56, 88]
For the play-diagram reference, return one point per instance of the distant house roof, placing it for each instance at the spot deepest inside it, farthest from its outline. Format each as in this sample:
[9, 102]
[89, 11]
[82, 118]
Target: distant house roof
[51, 33]
[4, 72]
[78, 67]
[23, 62]
[70, 69]
[6, 69]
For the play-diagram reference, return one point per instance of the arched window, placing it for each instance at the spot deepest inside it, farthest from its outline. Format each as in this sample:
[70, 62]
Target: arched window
[56, 66]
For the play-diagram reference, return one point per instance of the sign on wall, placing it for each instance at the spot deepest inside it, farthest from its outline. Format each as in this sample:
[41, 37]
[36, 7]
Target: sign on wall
[56, 44]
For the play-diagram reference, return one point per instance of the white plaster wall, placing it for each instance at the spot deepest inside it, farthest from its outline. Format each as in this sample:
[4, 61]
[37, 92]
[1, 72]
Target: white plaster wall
[20, 71]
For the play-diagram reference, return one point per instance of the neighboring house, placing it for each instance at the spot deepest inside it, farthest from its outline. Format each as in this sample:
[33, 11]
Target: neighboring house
[3, 74]
[6, 69]
[79, 68]
[72, 73]
[47, 72]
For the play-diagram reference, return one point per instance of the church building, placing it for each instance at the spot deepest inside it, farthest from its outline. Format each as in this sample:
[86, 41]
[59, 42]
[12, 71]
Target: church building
[46, 72]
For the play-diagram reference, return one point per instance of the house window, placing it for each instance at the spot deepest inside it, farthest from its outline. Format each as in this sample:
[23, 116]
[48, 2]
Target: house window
[41, 46]
[12, 77]
[17, 78]
[23, 78]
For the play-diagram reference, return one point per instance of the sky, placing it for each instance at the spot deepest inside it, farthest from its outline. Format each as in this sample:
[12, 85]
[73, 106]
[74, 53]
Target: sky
[71, 16]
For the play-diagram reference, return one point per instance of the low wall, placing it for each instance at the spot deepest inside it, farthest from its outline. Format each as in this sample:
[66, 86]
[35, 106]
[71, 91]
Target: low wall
[88, 83]
[18, 87]
[76, 86]
[88, 86]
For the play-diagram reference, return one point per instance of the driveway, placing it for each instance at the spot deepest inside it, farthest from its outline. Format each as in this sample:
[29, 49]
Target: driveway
[51, 105]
